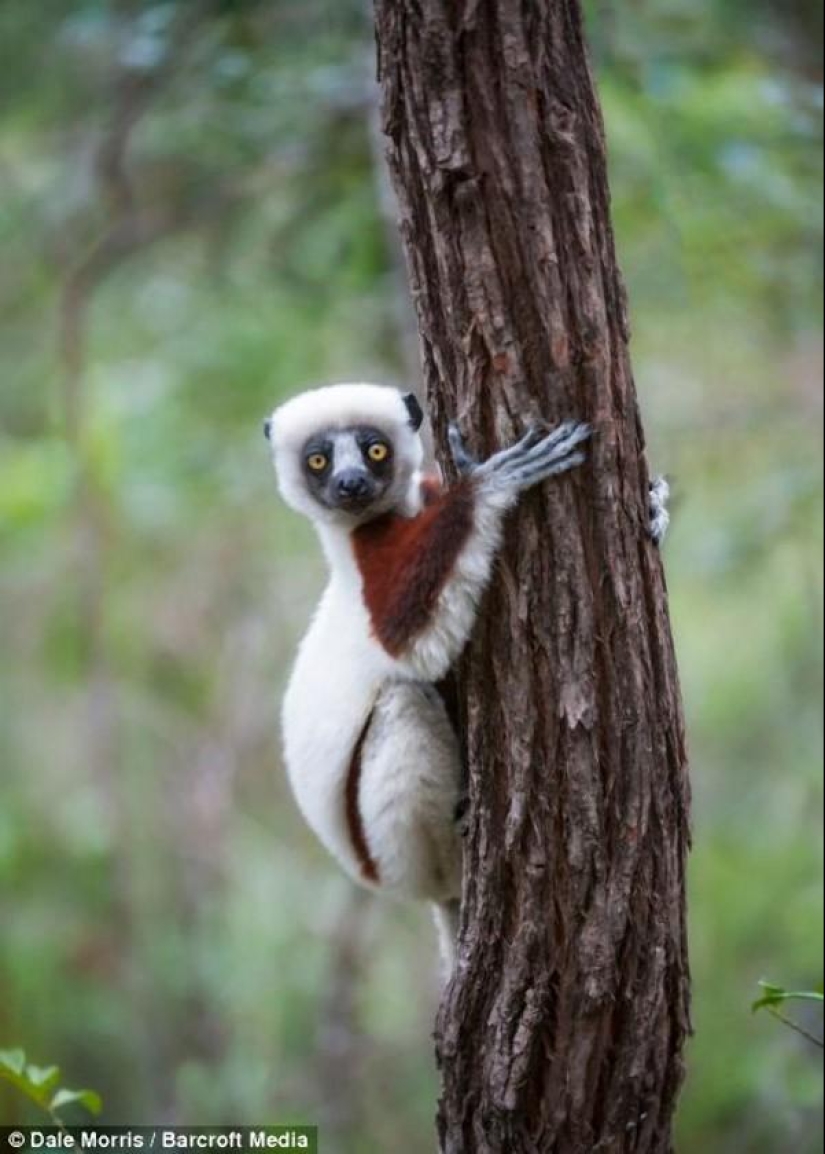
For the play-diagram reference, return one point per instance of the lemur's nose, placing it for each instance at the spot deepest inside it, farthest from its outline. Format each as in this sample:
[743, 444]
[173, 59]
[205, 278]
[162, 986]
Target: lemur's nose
[352, 484]
[268, 427]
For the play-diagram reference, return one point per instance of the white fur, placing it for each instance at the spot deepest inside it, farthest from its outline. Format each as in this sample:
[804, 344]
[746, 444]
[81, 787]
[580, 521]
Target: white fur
[410, 762]
[409, 792]
[410, 778]
[341, 407]
[658, 511]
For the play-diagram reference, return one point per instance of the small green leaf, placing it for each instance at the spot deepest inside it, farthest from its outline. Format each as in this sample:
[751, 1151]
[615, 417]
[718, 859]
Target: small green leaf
[774, 995]
[38, 1084]
[37, 1093]
[14, 1061]
[44, 1077]
[87, 1098]
[771, 995]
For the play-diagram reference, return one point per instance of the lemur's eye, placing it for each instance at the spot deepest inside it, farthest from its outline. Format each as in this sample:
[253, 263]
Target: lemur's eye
[378, 451]
[317, 462]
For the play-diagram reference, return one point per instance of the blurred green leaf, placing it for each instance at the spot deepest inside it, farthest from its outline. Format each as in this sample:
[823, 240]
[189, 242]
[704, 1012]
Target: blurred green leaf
[87, 1098]
[34, 1081]
[43, 1077]
[775, 995]
[153, 589]
[12, 1061]
[39, 1082]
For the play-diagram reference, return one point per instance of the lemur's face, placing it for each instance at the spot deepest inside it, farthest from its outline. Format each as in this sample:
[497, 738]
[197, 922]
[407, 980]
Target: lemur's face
[346, 454]
[350, 470]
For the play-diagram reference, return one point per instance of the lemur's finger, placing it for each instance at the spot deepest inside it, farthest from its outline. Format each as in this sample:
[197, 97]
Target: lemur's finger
[462, 459]
[499, 461]
[555, 444]
[555, 447]
[532, 474]
[566, 436]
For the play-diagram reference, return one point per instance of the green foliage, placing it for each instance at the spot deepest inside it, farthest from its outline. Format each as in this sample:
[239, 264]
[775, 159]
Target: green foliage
[169, 929]
[775, 995]
[41, 1085]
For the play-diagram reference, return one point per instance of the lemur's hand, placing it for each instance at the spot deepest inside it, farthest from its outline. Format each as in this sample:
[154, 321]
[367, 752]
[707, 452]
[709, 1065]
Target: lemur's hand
[536, 456]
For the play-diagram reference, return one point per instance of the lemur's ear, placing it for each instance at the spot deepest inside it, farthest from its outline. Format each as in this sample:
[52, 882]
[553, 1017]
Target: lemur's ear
[414, 409]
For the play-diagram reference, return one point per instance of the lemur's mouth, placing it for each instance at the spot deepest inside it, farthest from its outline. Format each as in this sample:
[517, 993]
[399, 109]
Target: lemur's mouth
[352, 491]
[354, 504]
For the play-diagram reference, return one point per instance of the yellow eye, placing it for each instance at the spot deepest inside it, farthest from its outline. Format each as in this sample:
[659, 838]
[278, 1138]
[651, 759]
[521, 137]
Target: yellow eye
[378, 451]
[317, 462]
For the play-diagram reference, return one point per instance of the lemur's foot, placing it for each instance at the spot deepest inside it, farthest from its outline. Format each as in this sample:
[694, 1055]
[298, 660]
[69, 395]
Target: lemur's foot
[536, 456]
[657, 509]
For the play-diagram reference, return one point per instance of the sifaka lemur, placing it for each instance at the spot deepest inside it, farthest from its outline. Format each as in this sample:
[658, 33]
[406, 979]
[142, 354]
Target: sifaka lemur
[370, 751]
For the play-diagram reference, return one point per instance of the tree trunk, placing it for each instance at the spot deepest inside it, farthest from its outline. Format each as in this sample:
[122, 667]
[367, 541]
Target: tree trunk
[564, 1024]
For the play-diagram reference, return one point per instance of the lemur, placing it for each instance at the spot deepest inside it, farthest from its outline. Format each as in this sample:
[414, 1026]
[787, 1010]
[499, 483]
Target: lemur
[370, 752]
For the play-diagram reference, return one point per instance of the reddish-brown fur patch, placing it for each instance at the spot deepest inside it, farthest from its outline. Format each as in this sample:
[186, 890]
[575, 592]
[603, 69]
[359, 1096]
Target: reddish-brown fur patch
[355, 824]
[405, 563]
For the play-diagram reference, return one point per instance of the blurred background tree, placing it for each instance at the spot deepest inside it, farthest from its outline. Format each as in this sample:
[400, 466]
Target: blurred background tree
[193, 225]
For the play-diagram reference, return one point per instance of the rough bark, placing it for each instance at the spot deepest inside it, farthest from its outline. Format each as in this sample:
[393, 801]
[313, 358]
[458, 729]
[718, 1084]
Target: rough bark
[564, 1025]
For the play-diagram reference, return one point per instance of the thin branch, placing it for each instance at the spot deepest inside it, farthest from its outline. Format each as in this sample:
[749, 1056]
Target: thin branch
[795, 1026]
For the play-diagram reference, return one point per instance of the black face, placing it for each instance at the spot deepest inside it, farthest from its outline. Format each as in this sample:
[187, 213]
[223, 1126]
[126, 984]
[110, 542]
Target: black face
[349, 469]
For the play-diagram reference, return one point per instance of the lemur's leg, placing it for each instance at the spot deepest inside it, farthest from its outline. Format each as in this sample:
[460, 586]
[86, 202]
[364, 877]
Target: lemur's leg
[657, 508]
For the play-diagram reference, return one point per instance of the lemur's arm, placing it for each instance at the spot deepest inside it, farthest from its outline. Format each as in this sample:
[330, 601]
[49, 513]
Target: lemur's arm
[423, 576]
